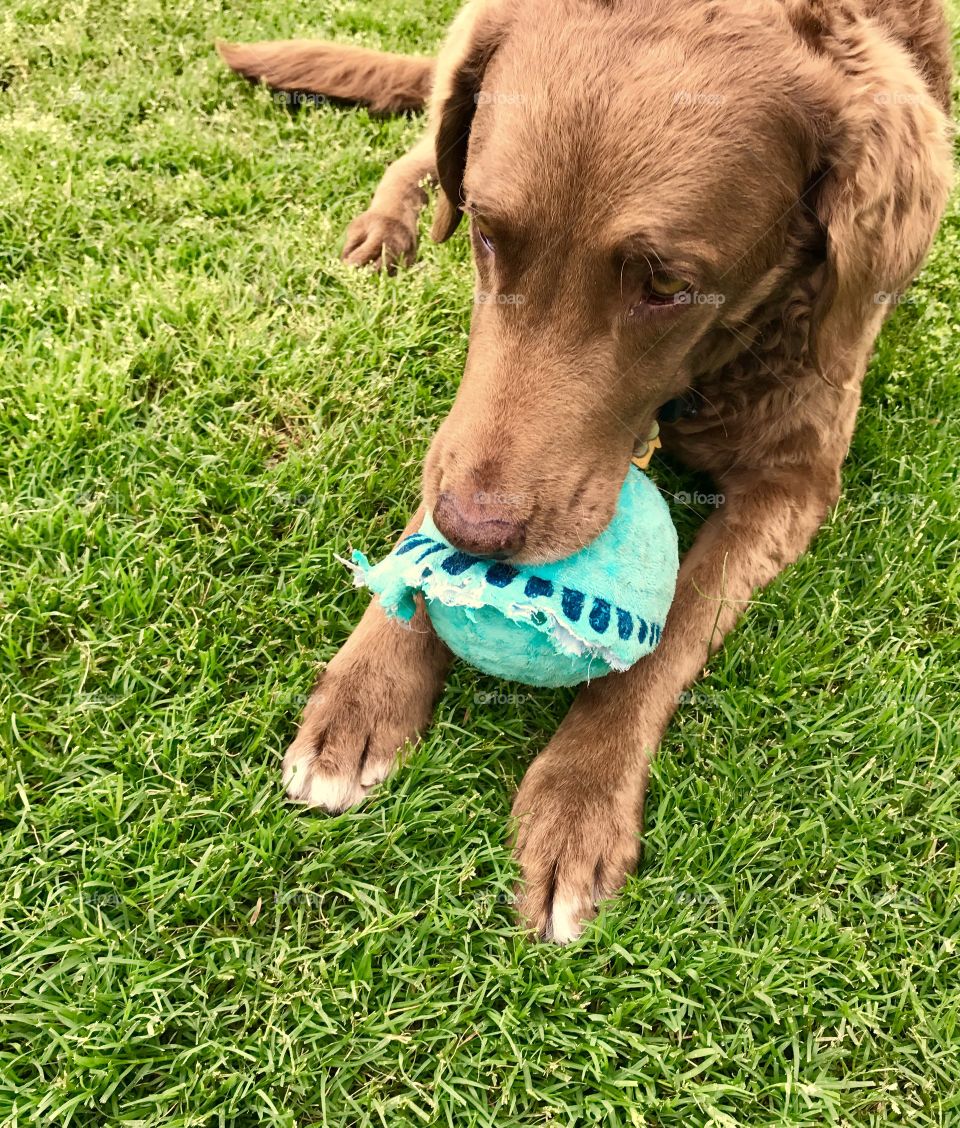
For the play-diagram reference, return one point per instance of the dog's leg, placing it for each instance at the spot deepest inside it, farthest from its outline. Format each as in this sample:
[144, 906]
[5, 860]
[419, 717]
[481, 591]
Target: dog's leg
[386, 233]
[579, 808]
[376, 695]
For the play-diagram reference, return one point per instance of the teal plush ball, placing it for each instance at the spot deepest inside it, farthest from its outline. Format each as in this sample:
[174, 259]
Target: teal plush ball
[554, 624]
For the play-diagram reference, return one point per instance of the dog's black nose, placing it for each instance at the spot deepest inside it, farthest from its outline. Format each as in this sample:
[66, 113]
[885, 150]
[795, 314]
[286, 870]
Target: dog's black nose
[478, 528]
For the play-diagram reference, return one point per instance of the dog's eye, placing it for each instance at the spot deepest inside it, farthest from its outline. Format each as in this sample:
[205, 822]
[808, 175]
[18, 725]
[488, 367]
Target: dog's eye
[483, 234]
[664, 287]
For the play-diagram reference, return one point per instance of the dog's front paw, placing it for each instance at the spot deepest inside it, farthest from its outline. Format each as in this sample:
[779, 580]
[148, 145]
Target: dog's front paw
[576, 841]
[358, 718]
[381, 241]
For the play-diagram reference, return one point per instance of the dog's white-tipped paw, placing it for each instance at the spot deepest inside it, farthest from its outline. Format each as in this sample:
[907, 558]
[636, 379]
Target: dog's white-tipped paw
[343, 750]
[373, 700]
[569, 917]
[306, 782]
[330, 793]
[375, 772]
[575, 845]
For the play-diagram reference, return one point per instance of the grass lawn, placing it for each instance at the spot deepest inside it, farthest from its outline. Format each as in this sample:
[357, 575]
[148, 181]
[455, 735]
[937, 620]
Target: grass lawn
[201, 407]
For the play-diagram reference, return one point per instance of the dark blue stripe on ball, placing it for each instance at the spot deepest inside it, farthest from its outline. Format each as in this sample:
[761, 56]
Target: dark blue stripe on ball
[438, 547]
[641, 631]
[411, 543]
[572, 603]
[624, 624]
[600, 615]
[501, 574]
[538, 586]
[457, 563]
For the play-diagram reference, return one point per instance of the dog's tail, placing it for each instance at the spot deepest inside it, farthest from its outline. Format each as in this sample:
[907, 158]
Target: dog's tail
[385, 83]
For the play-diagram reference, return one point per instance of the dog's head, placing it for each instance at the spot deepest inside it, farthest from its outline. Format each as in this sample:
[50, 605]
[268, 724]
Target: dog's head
[640, 179]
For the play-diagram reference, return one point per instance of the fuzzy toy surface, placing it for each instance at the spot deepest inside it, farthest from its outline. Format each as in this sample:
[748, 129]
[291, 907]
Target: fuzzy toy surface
[553, 624]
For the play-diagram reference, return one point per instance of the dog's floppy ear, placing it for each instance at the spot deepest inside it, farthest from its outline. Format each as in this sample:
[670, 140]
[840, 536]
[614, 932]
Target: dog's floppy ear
[474, 36]
[884, 176]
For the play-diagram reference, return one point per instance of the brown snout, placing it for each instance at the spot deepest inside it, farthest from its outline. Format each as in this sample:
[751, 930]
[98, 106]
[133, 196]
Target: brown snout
[478, 527]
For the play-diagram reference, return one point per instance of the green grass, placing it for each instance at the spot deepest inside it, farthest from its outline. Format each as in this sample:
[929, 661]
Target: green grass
[200, 408]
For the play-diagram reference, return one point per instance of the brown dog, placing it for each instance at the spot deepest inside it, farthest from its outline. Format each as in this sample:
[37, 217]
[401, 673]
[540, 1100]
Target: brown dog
[681, 201]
